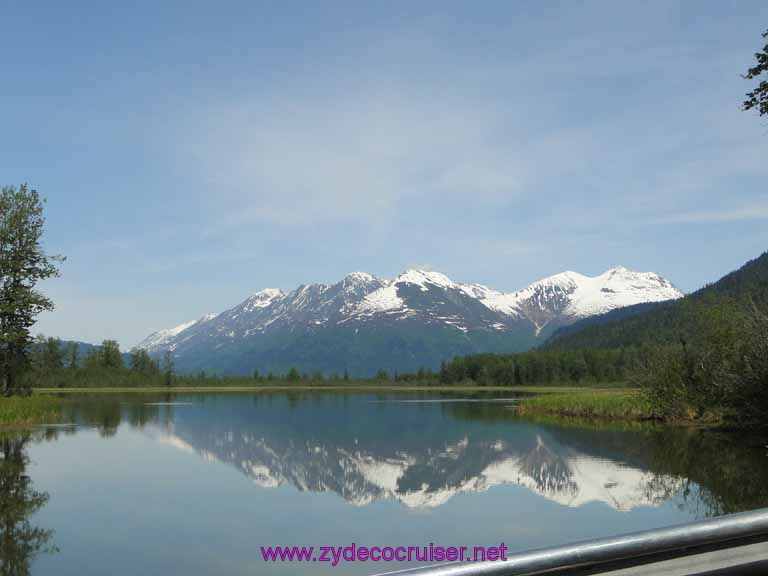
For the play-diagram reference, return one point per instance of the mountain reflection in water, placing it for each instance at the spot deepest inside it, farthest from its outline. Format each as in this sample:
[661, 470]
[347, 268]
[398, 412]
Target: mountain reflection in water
[365, 448]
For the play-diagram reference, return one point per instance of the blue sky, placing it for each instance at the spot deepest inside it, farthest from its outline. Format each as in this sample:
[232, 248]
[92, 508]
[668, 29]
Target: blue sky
[195, 152]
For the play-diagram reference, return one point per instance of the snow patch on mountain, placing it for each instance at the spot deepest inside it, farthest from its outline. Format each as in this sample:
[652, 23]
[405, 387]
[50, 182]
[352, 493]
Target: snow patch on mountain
[616, 288]
[423, 279]
[384, 299]
[492, 299]
[263, 298]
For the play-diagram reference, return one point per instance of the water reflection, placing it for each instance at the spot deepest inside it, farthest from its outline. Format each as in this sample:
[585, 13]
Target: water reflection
[420, 464]
[366, 460]
[367, 448]
[20, 540]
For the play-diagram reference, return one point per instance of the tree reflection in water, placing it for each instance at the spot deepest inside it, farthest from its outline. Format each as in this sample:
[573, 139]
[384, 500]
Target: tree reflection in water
[20, 540]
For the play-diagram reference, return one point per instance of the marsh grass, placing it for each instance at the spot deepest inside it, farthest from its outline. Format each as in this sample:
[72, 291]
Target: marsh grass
[20, 412]
[605, 404]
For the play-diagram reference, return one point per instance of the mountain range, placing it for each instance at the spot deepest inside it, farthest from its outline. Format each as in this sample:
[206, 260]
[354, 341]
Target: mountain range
[363, 323]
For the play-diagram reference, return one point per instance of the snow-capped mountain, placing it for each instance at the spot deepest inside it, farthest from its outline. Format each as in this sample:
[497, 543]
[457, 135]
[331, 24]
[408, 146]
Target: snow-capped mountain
[420, 318]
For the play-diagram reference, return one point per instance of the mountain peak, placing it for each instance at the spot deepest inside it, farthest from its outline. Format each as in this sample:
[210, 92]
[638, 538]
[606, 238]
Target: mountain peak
[263, 298]
[423, 277]
[268, 293]
[359, 277]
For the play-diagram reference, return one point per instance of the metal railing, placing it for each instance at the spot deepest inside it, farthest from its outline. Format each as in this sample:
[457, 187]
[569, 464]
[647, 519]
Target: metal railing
[621, 552]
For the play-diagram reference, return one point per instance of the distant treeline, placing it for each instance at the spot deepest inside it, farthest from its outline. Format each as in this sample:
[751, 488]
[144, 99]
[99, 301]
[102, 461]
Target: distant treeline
[571, 367]
[57, 364]
[54, 363]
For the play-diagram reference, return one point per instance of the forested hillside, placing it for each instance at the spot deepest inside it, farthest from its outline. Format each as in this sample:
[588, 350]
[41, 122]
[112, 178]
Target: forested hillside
[669, 322]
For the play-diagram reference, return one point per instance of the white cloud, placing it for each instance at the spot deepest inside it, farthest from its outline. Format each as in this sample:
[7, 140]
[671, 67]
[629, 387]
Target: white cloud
[303, 159]
[753, 212]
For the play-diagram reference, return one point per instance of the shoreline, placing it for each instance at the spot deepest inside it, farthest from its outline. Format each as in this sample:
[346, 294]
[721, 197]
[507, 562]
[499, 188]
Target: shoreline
[45, 405]
[320, 388]
[565, 403]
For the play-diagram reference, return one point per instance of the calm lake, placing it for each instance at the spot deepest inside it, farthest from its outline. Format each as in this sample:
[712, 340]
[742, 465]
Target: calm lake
[195, 484]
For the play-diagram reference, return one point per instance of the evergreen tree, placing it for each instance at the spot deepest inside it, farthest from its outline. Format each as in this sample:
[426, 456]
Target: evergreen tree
[143, 363]
[111, 357]
[72, 353]
[168, 368]
[293, 375]
[53, 355]
[23, 263]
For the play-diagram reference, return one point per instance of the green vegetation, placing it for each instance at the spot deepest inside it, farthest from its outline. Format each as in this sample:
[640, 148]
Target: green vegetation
[23, 263]
[56, 365]
[722, 373]
[602, 404]
[545, 368]
[707, 353]
[19, 412]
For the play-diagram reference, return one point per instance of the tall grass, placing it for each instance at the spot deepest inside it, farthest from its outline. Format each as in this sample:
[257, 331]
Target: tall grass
[589, 403]
[29, 411]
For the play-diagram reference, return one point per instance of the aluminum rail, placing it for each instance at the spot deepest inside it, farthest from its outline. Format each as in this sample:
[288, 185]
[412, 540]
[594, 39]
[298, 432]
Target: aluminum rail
[638, 548]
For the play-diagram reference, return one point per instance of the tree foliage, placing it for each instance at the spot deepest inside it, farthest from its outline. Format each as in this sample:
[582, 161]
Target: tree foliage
[143, 363]
[758, 98]
[23, 263]
[168, 368]
[725, 371]
[107, 355]
[537, 368]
